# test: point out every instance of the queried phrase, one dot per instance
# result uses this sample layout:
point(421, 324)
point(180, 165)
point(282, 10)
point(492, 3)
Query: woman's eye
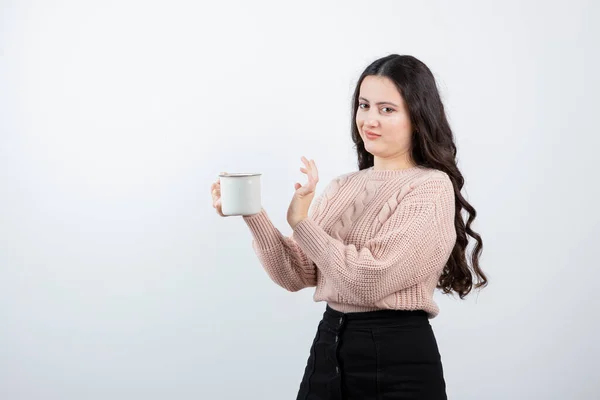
point(360, 105)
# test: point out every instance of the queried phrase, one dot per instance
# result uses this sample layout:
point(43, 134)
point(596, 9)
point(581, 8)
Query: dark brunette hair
point(433, 147)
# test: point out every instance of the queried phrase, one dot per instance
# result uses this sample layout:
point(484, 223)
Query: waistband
point(375, 318)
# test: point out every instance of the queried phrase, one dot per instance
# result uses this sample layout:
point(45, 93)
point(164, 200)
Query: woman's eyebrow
point(380, 103)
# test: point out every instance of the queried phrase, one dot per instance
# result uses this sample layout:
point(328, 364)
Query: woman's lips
point(371, 135)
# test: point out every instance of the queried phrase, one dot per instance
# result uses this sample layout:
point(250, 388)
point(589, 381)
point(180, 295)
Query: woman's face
point(381, 110)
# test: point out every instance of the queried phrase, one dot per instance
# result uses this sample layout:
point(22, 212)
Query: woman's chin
point(371, 148)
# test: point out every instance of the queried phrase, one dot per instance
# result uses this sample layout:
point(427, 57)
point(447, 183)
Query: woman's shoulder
point(413, 179)
point(436, 188)
point(427, 183)
point(342, 179)
point(434, 175)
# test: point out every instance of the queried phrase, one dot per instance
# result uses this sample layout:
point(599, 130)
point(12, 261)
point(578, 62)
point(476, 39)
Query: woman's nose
point(372, 118)
point(371, 122)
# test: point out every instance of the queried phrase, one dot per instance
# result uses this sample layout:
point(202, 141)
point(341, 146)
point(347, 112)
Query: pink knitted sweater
point(374, 239)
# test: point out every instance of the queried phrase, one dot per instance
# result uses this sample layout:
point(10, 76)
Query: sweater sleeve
point(415, 241)
point(281, 257)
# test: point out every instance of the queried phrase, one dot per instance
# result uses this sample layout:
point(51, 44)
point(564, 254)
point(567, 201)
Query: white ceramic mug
point(240, 193)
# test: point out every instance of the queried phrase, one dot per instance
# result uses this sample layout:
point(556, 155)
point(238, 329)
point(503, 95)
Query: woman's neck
point(392, 165)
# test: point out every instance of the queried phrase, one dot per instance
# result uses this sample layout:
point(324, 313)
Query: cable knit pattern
point(360, 203)
point(373, 240)
point(331, 191)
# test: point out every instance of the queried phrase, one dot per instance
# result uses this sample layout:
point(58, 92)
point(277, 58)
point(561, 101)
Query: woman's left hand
point(304, 195)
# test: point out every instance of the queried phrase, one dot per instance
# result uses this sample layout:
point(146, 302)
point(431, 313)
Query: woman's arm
point(415, 241)
point(283, 260)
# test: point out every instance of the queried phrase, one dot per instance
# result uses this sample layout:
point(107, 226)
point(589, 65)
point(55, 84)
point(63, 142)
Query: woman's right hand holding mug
point(215, 190)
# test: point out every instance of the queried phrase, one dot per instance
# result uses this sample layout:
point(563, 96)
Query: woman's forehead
point(377, 89)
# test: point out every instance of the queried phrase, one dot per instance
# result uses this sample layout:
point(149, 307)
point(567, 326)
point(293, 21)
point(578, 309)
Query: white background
point(119, 281)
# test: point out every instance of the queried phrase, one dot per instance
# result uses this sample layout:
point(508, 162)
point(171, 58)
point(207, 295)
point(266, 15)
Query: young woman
point(378, 242)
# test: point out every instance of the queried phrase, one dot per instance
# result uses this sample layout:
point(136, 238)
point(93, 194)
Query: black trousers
point(384, 354)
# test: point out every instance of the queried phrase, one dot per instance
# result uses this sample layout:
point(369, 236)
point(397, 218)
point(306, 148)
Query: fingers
point(310, 170)
point(217, 184)
point(215, 190)
point(305, 161)
point(217, 205)
point(313, 169)
point(219, 208)
point(310, 164)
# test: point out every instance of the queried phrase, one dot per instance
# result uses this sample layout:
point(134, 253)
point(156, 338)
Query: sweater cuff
point(311, 238)
point(265, 234)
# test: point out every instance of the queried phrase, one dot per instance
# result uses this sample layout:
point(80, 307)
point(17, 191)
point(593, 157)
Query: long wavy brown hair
point(433, 147)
